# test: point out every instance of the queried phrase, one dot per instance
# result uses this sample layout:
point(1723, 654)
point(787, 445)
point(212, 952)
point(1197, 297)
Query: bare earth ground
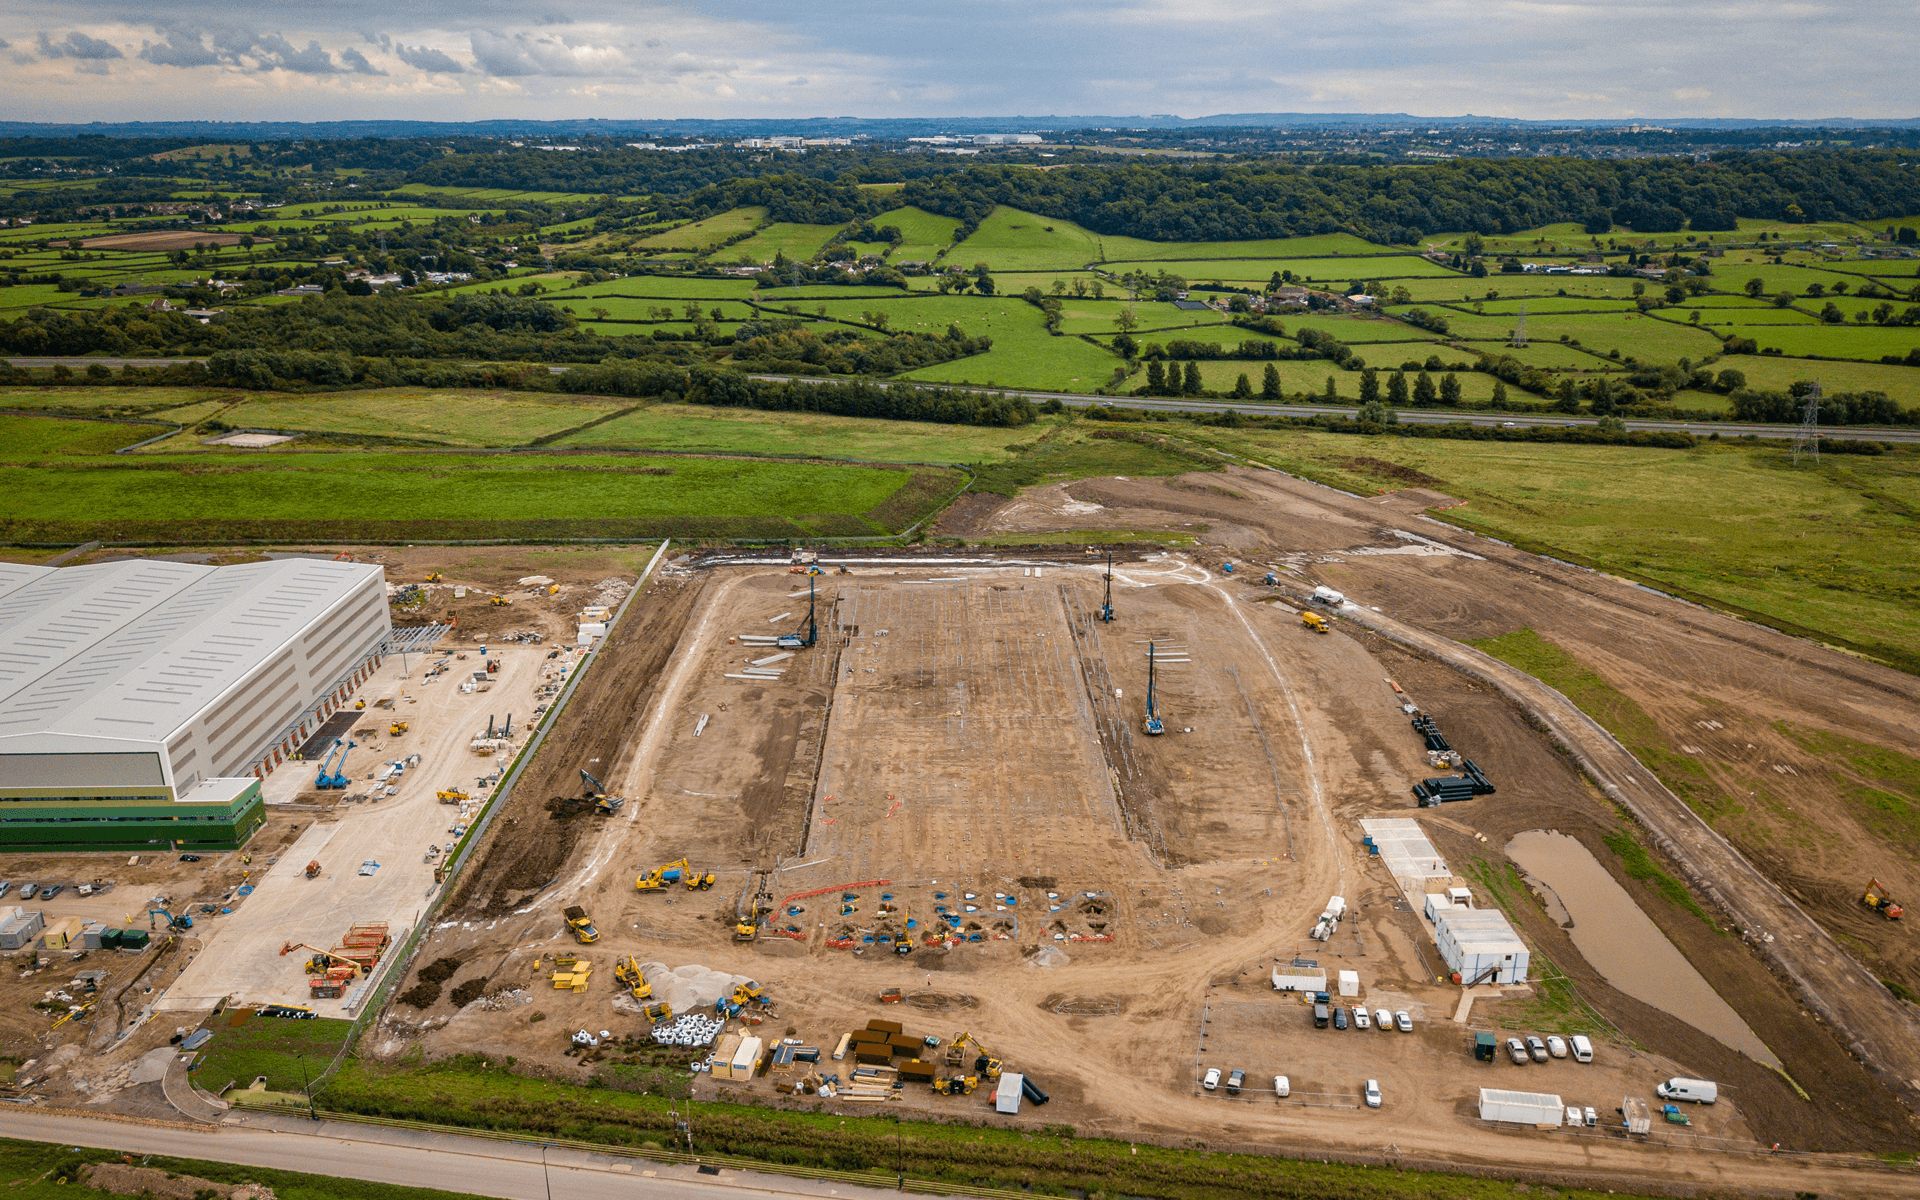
point(967, 729)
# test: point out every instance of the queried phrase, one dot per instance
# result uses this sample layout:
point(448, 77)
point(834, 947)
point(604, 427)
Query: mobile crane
point(1154, 725)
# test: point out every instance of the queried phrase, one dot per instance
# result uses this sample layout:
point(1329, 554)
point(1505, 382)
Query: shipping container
point(886, 1026)
point(1525, 1108)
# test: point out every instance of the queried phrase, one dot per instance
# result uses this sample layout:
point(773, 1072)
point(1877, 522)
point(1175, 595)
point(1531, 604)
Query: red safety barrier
point(838, 887)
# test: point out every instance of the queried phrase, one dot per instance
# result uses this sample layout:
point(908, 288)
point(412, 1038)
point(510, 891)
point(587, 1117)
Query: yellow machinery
point(553, 589)
point(1315, 622)
point(959, 1085)
point(1878, 900)
point(359, 704)
point(396, 729)
point(71, 1013)
point(435, 577)
point(957, 1055)
point(571, 972)
point(746, 993)
point(452, 795)
point(628, 973)
point(747, 928)
point(501, 602)
point(659, 1013)
point(582, 925)
point(671, 873)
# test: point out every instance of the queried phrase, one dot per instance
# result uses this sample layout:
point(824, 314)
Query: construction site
point(1051, 835)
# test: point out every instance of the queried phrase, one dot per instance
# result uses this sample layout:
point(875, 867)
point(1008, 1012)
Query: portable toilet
point(1006, 1097)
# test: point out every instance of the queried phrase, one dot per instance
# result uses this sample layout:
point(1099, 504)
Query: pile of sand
point(690, 987)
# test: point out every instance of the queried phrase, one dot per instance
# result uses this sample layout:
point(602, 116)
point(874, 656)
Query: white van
point(1281, 1087)
point(1700, 1091)
point(1582, 1048)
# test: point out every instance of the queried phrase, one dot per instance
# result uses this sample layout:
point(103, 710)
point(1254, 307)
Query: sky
point(446, 60)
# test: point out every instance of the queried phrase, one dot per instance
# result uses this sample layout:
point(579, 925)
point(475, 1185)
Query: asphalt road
point(1160, 404)
point(1407, 417)
point(482, 1167)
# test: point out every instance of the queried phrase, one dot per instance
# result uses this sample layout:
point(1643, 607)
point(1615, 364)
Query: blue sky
point(435, 60)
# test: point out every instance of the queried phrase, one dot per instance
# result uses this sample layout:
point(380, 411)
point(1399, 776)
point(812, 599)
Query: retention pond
point(1621, 942)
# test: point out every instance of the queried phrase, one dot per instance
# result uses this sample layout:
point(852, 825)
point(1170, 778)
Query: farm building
point(141, 701)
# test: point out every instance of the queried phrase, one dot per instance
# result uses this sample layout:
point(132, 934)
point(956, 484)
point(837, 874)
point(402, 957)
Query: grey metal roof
point(135, 649)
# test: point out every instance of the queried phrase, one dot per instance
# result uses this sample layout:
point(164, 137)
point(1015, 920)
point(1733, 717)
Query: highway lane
point(413, 1158)
point(1725, 429)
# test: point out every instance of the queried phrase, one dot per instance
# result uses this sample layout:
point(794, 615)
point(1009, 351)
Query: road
point(414, 1158)
point(1491, 420)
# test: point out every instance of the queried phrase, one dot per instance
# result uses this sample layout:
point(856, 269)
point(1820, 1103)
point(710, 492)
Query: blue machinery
point(794, 641)
point(1154, 726)
point(333, 773)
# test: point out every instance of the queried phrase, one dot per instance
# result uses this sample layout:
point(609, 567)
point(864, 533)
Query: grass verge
point(37, 1171)
point(246, 1046)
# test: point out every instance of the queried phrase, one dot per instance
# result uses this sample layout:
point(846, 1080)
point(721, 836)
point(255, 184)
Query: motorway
point(1725, 429)
point(414, 1158)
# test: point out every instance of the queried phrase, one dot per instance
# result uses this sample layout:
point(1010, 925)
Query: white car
point(1212, 1080)
point(1383, 1019)
point(1373, 1093)
point(1557, 1046)
point(1359, 1017)
point(1402, 1021)
point(1282, 1087)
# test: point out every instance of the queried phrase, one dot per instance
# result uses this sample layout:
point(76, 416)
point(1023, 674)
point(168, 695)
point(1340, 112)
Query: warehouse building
point(141, 702)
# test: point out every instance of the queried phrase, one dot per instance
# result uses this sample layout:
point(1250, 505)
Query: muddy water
point(1621, 943)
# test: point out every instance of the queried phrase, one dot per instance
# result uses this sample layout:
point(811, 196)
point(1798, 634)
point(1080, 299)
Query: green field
point(67, 488)
point(688, 428)
point(1258, 271)
point(673, 287)
point(926, 234)
point(1011, 240)
point(447, 417)
point(795, 241)
point(705, 235)
point(245, 1046)
point(1325, 245)
point(1865, 342)
point(1826, 547)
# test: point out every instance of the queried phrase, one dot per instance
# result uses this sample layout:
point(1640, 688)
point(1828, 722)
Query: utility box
point(1006, 1097)
point(1639, 1116)
point(745, 1059)
point(61, 934)
point(722, 1062)
point(1349, 983)
point(1484, 1046)
point(21, 928)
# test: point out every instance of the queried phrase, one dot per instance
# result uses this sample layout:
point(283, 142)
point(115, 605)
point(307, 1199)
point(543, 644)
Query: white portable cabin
point(1006, 1097)
point(1349, 983)
point(1474, 941)
point(1448, 900)
point(1299, 979)
point(1525, 1108)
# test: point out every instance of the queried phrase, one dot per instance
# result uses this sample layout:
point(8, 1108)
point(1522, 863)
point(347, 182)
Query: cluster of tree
point(896, 402)
point(1268, 199)
point(1254, 349)
point(1840, 408)
point(784, 347)
point(788, 272)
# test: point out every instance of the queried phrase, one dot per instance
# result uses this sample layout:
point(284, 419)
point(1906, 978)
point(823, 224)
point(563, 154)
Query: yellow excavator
point(628, 973)
point(982, 1062)
point(434, 577)
point(747, 928)
point(665, 876)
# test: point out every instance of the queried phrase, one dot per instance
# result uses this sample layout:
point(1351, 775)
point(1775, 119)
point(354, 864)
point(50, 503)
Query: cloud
point(181, 48)
point(522, 55)
point(78, 45)
point(426, 58)
point(357, 62)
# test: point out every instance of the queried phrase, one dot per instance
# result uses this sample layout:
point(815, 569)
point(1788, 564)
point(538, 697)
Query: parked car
point(1373, 1093)
point(1339, 1018)
point(1282, 1086)
point(48, 893)
point(1537, 1048)
point(1359, 1017)
point(1557, 1046)
point(1235, 1080)
point(1582, 1049)
point(1383, 1019)
point(189, 858)
point(29, 890)
point(1402, 1021)
point(5, 887)
point(1592, 1117)
point(1212, 1080)
point(1517, 1050)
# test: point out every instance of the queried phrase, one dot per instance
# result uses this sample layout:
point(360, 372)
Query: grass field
point(925, 234)
point(795, 241)
point(1828, 547)
point(704, 235)
point(67, 489)
point(1864, 342)
point(256, 1046)
point(676, 287)
point(1012, 240)
point(1326, 245)
point(1260, 270)
point(1902, 383)
point(676, 427)
point(452, 418)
